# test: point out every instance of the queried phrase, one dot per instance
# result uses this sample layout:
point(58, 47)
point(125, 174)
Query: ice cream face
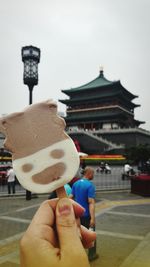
point(49, 168)
point(44, 156)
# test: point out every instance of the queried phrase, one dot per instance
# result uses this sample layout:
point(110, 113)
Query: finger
point(67, 228)
point(45, 214)
point(88, 237)
point(78, 209)
point(42, 224)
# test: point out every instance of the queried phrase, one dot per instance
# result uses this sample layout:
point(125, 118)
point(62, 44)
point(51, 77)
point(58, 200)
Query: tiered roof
point(98, 92)
point(99, 82)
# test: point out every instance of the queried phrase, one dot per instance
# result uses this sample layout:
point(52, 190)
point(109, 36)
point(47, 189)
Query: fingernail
point(64, 207)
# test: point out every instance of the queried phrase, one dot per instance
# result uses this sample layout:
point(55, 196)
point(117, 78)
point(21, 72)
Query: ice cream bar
point(44, 157)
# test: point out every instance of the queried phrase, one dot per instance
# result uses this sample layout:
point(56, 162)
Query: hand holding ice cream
point(46, 244)
point(44, 156)
point(44, 159)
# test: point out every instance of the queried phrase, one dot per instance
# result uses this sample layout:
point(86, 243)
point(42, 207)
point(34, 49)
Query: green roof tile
point(98, 82)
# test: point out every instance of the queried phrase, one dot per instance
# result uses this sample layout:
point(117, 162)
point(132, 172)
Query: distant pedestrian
point(107, 168)
point(127, 169)
point(11, 180)
point(83, 192)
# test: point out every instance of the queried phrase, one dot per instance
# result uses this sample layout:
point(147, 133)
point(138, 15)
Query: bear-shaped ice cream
point(44, 157)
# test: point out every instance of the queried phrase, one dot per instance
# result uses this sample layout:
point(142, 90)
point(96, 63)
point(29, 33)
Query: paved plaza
point(122, 226)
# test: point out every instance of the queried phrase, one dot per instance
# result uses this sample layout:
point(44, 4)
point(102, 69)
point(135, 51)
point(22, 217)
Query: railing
point(120, 130)
point(111, 181)
point(102, 181)
point(123, 130)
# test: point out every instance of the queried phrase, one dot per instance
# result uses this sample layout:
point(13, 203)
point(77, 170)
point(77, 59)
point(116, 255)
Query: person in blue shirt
point(83, 192)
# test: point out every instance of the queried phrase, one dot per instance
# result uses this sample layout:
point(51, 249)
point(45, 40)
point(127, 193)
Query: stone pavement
point(122, 226)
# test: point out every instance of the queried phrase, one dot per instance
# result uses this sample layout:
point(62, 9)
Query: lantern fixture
point(30, 58)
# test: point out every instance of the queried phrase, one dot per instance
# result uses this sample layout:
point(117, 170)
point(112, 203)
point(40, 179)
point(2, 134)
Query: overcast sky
point(76, 37)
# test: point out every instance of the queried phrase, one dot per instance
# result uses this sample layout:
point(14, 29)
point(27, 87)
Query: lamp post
point(31, 58)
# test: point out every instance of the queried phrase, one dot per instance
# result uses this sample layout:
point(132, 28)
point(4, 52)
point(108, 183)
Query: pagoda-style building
point(100, 104)
point(100, 115)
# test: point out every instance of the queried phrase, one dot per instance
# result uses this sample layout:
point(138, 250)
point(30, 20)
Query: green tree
point(140, 153)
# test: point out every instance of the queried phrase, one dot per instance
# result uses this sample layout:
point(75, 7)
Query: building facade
point(104, 109)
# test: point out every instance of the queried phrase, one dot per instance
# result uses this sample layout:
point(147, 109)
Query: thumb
point(66, 226)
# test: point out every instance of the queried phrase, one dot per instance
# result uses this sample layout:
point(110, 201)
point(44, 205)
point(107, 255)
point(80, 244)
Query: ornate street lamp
point(31, 58)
